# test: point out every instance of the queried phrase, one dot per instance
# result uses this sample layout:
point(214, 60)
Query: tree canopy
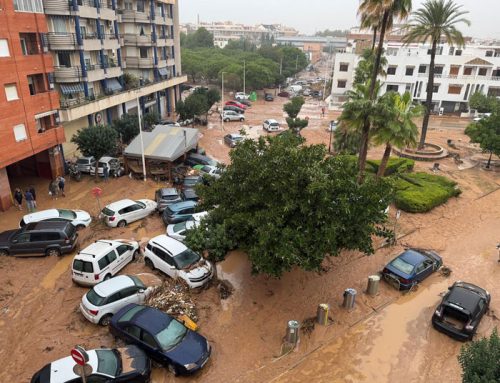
point(201, 38)
point(312, 207)
point(96, 140)
point(198, 103)
point(127, 127)
point(292, 109)
point(483, 103)
point(486, 133)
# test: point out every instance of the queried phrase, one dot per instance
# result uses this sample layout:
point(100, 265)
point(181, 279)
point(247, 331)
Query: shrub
point(421, 192)
point(394, 165)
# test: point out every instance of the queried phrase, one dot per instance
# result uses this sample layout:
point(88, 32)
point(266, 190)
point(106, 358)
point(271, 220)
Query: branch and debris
point(174, 299)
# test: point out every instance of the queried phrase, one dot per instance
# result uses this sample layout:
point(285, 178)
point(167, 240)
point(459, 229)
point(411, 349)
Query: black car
point(268, 97)
point(459, 313)
point(194, 159)
point(189, 195)
point(245, 102)
point(128, 364)
point(162, 337)
point(38, 239)
point(165, 197)
point(190, 182)
point(234, 109)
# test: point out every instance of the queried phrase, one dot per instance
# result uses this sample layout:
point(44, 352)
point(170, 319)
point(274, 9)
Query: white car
point(212, 171)
point(105, 299)
point(177, 261)
point(115, 169)
point(102, 260)
point(241, 96)
point(178, 230)
point(229, 115)
point(79, 218)
point(125, 211)
point(271, 125)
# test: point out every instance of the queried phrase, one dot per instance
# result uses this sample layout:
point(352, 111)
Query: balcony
point(115, 71)
point(137, 40)
point(95, 72)
point(56, 7)
point(133, 16)
point(47, 139)
point(136, 62)
point(62, 41)
point(68, 74)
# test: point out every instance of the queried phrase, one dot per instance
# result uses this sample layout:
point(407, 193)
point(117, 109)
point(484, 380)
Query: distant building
point(459, 73)
point(313, 46)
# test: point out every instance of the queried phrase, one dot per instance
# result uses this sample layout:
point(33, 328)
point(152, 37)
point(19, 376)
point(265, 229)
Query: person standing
point(29, 200)
point(61, 183)
point(105, 173)
point(53, 189)
point(18, 197)
point(33, 193)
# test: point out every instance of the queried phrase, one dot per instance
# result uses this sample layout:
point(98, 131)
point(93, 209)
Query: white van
point(101, 260)
point(296, 88)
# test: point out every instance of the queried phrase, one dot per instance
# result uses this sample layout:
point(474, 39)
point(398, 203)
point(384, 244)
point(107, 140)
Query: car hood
point(133, 359)
point(203, 268)
point(150, 204)
point(192, 348)
point(82, 215)
point(6, 236)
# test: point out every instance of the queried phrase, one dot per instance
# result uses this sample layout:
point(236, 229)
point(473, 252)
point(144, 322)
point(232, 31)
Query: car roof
point(173, 246)
point(199, 216)
point(193, 177)
point(182, 205)
point(151, 319)
point(62, 370)
point(120, 204)
point(113, 285)
point(40, 215)
point(412, 257)
point(96, 249)
point(189, 192)
point(465, 298)
point(235, 135)
point(199, 156)
point(46, 225)
point(272, 121)
point(168, 191)
point(106, 159)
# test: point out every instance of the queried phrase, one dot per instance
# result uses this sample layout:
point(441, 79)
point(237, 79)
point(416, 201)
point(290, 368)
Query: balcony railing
point(137, 62)
point(68, 74)
point(142, 40)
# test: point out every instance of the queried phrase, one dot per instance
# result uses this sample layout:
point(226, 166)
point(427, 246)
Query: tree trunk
point(489, 160)
point(374, 38)
point(366, 127)
point(385, 159)
point(428, 101)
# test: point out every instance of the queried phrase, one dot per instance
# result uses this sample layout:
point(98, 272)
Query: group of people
point(56, 187)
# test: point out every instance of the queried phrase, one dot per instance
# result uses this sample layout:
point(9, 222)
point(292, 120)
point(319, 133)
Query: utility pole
point(281, 71)
point(244, 77)
point(222, 102)
point(140, 134)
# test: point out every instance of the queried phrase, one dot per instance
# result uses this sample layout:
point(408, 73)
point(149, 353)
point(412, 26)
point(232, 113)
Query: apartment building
point(30, 131)
point(110, 53)
point(459, 73)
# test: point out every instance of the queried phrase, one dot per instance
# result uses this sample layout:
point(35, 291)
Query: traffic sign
point(79, 355)
point(96, 192)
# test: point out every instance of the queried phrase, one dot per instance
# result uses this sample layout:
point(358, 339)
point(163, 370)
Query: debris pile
point(174, 299)
point(225, 288)
point(445, 271)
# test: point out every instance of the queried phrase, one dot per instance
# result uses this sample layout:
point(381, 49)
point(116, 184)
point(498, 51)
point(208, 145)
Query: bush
point(394, 165)
point(421, 192)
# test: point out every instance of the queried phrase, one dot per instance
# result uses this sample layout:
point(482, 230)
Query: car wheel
point(226, 120)
point(122, 223)
point(80, 227)
point(149, 264)
point(53, 252)
point(105, 320)
point(242, 119)
point(172, 369)
point(4, 253)
point(107, 277)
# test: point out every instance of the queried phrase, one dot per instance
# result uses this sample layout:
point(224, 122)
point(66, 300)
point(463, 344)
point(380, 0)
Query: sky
point(309, 16)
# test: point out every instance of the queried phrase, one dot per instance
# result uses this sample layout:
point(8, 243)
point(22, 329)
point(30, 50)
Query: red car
point(237, 104)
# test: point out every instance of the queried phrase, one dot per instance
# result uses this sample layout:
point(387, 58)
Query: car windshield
point(108, 362)
point(403, 266)
point(141, 204)
point(102, 164)
point(179, 227)
point(107, 211)
point(186, 258)
point(95, 298)
point(66, 214)
point(172, 335)
point(190, 181)
point(83, 266)
point(138, 282)
point(82, 161)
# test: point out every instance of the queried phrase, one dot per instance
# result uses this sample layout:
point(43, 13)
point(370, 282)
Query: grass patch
point(394, 165)
point(421, 192)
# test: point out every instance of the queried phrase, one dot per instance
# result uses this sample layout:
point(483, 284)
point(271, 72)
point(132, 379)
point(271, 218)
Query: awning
point(163, 71)
point(113, 85)
point(45, 114)
point(71, 88)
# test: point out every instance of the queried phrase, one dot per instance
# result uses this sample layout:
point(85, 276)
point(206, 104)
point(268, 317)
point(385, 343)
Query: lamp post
point(330, 142)
point(244, 77)
point(140, 135)
point(222, 101)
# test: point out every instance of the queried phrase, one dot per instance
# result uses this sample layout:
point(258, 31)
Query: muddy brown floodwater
point(386, 338)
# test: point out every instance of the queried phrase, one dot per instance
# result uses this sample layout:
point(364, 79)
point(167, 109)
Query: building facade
point(30, 131)
point(459, 73)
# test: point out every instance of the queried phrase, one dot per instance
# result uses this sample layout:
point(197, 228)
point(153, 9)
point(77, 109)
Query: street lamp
point(140, 135)
point(244, 77)
point(222, 101)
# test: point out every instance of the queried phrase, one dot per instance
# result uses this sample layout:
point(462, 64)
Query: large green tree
point(96, 140)
point(288, 204)
point(127, 127)
point(486, 132)
point(480, 360)
point(292, 109)
point(436, 22)
point(201, 38)
point(483, 103)
point(388, 11)
point(398, 129)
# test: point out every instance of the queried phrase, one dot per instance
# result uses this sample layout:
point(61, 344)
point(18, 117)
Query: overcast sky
point(309, 16)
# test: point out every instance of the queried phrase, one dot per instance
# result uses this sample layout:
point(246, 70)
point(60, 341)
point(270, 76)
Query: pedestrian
point(498, 249)
point(29, 200)
point(105, 173)
point(323, 111)
point(18, 197)
point(33, 193)
point(53, 189)
point(61, 182)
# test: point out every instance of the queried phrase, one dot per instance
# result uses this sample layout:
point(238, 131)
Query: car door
point(188, 213)
point(114, 303)
point(423, 270)
point(124, 255)
point(113, 262)
point(20, 245)
point(136, 212)
point(151, 346)
point(165, 264)
point(132, 294)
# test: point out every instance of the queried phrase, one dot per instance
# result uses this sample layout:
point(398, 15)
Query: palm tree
point(399, 130)
point(435, 22)
point(371, 21)
point(388, 10)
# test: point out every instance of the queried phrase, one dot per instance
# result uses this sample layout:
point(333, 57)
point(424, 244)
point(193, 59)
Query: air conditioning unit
point(51, 86)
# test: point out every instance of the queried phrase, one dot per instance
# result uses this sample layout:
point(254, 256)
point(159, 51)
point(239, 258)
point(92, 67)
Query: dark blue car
point(411, 267)
point(162, 337)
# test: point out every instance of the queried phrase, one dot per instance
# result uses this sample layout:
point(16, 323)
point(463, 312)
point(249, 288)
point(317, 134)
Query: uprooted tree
point(287, 204)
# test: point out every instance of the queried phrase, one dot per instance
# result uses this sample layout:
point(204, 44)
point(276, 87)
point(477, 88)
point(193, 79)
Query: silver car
point(229, 115)
point(83, 164)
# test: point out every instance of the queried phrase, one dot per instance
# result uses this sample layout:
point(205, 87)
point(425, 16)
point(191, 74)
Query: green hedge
point(421, 192)
point(394, 165)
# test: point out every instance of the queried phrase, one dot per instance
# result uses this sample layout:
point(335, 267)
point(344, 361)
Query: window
point(122, 249)
point(140, 5)
point(409, 71)
point(149, 340)
point(4, 48)
point(125, 293)
point(64, 59)
point(452, 50)
point(33, 6)
point(468, 71)
point(11, 92)
point(343, 67)
point(103, 262)
point(160, 253)
point(20, 132)
point(133, 330)
point(467, 89)
point(489, 53)
point(482, 71)
point(422, 69)
point(143, 52)
point(341, 83)
point(391, 70)
point(129, 6)
point(438, 69)
point(454, 70)
point(113, 298)
point(458, 52)
point(454, 89)
point(393, 88)
point(435, 88)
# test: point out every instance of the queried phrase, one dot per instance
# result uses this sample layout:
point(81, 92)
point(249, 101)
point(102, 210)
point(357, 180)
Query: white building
point(459, 73)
